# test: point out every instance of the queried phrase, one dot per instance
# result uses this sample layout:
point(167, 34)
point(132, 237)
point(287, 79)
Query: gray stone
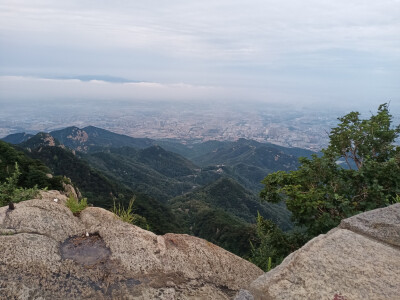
point(382, 224)
point(41, 216)
point(338, 265)
point(48, 253)
point(244, 295)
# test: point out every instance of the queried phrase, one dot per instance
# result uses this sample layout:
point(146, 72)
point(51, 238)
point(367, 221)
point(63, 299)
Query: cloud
point(223, 30)
point(264, 48)
point(34, 89)
point(17, 90)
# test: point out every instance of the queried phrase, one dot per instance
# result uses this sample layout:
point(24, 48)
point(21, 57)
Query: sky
point(310, 52)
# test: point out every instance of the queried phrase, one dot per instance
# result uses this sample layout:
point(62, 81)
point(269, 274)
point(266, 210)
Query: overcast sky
point(290, 51)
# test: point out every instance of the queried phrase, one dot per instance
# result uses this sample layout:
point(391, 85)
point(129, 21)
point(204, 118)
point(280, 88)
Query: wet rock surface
point(45, 253)
point(85, 250)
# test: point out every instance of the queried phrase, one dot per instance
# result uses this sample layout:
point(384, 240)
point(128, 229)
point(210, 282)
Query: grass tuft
point(75, 205)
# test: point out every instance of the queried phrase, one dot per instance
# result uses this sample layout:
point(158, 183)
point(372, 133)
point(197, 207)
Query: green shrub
point(273, 245)
point(11, 192)
point(75, 205)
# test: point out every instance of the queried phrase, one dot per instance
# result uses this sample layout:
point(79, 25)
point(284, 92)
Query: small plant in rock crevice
point(127, 215)
point(75, 205)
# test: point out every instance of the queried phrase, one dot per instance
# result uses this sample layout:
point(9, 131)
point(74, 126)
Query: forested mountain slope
point(98, 188)
point(213, 195)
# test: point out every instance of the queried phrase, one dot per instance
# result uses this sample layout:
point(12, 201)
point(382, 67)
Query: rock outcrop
point(48, 253)
point(358, 260)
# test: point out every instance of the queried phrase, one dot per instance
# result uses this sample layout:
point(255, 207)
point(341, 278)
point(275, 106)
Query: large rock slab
point(48, 253)
point(382, 224)
point(360, 263)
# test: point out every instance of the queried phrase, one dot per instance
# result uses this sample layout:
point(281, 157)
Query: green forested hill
point(154, 171)
point(250, 161)
point(33, 172)
point(250, 153)
point(101, 190)
point(207, 189)
point(17, 138)
point(137, 175)
point(165, 162)
point(92, 137)
point(228, 195)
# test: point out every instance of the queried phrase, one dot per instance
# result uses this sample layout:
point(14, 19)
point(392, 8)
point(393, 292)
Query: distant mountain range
point(17, 138)
point(207, 189)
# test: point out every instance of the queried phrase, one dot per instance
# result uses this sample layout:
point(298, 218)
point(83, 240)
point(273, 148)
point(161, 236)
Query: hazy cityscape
point(183, 122)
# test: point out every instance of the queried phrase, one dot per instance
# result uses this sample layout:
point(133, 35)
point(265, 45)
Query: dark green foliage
point(75, 205)
point(228, 195)
point(93, 185)
point(222, 213)
point(244, 160)
point(250, 153)
point(272, 245)
point(101, 190)
point(33, 172)
point(154, 171)
point(249, 160)
point(165, 162)
point(159, 217)
point(321, 192)
point(11, 192)
point(194, 150)
point(224, 230)
point(215, 225)
point(137, 176)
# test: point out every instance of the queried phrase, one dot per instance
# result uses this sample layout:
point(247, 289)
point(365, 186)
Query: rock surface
point(358, 260)
point(382, 224)
point(48, 253)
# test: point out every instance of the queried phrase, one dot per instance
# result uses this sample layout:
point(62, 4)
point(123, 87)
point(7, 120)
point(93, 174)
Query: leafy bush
point(11, 192)
point(75, 205)
point(322, 192)
point(273, 245)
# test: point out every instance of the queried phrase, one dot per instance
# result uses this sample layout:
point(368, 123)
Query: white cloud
point(25, 88)
point(209, 29)
point(271, 45)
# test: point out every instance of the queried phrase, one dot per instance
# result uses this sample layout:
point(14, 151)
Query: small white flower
point(55, 200)
point(87, 233)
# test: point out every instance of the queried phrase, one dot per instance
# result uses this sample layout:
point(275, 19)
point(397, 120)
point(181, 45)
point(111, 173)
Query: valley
point(208, 189)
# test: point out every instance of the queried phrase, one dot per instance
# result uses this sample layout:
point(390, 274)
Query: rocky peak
point(41, 139)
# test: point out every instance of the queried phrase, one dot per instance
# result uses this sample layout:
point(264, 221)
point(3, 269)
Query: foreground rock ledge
point(45, 253)
point(358, 260)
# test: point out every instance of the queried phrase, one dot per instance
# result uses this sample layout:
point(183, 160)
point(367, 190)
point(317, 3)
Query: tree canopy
point(359, 171)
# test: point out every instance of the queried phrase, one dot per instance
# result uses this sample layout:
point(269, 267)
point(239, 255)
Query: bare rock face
point(48, 253)
point(358, 260)
point(382, 224)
